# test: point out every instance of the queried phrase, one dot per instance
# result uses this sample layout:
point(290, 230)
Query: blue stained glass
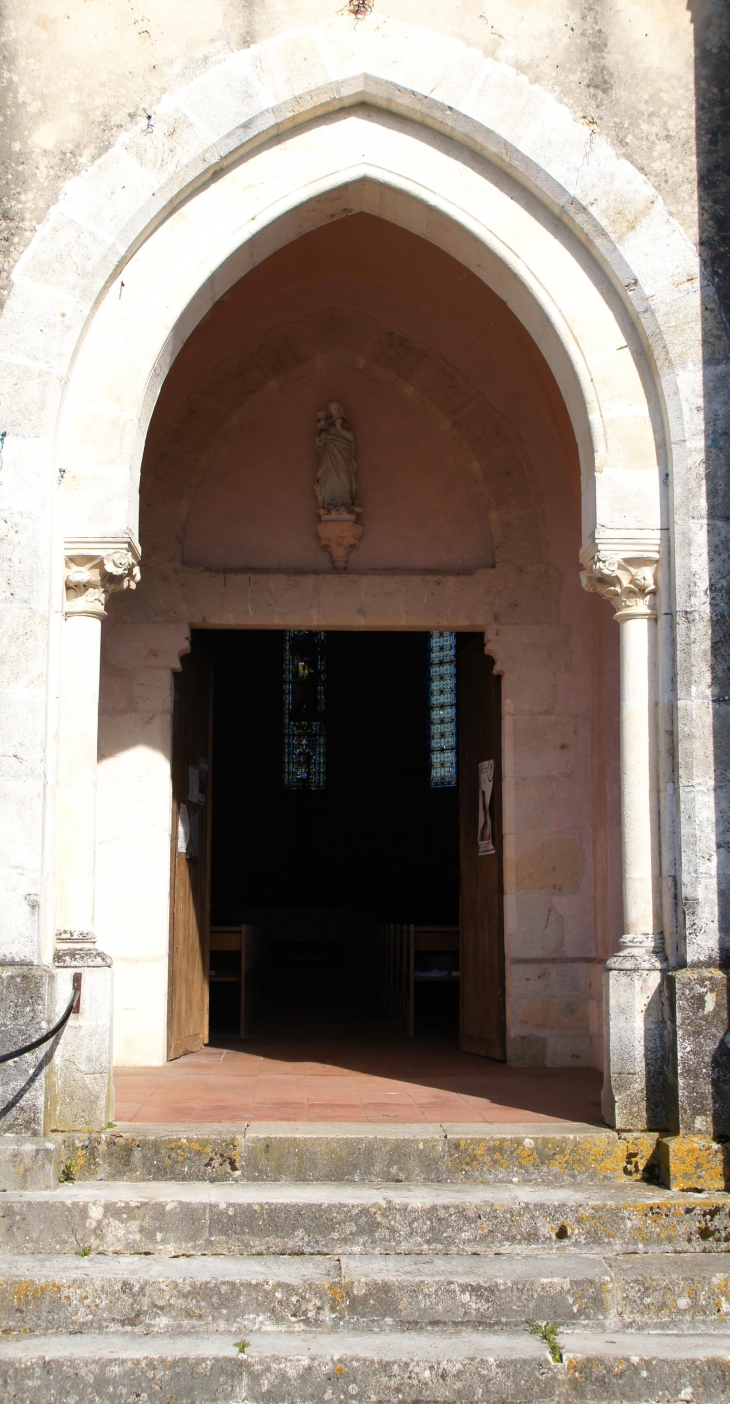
point(304, 702)
point(442, 697)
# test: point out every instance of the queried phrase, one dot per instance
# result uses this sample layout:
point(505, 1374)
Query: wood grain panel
point(393, 974)
point(190, 897)
point(481, 961)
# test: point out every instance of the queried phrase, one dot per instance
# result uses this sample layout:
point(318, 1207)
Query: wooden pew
point(249, 942)
point(394, 949)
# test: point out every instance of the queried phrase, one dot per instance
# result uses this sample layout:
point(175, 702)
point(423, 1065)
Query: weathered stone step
point(430, 1367)
point(333, 1152)
point(336, 1219)
point(244, 1294)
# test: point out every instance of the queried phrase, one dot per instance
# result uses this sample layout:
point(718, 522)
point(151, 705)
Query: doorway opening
point(337, 827)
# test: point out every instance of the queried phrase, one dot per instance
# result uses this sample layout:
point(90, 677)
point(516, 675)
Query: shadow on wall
point(712, 127)
point(24, 1076)
point(25, 999)
point(711, 27)
point(656, 1054)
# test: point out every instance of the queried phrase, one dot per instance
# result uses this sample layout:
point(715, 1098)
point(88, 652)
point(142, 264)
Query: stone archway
point(287, 136)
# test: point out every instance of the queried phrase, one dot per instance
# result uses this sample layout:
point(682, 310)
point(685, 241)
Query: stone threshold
point(336, 1152)
point(341, 1152)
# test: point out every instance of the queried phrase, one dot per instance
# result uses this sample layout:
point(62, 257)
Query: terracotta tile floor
point(363, 1072)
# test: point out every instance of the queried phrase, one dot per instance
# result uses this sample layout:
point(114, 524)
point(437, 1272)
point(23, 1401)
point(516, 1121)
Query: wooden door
point(481, 960)
point(187, 1022)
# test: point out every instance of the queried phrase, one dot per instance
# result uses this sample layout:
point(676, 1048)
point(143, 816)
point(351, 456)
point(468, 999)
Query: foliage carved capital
point(629, 585)
point(96, 569)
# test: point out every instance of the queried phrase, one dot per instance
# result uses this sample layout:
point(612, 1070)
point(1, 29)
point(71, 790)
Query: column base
point(694, 1163)
point(80, 1085)
point(636, 1045)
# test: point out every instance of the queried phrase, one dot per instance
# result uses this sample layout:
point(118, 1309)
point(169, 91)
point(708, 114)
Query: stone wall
point(579, 243)
point(81, 72)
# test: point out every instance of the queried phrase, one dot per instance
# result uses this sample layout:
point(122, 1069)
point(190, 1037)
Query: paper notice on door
point(486, 782)
point(193, 785)
point(183, 829)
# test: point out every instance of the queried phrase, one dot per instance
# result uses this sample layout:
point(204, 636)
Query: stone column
point(636, 1072)
point(80, 1094)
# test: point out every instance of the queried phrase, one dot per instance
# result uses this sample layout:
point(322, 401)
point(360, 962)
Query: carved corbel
point(629, 585)
point(339, 534)
point(96, 569)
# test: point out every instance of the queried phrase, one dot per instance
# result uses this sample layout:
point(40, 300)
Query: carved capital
point(629, 585)
point(96, 569)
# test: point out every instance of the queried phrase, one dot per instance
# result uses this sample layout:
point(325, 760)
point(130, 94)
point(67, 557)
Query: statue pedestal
point(339, 534)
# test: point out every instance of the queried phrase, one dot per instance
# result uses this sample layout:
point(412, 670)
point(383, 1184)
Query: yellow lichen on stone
point(641, 1154)
point(600, 1155)
point(694, 1163)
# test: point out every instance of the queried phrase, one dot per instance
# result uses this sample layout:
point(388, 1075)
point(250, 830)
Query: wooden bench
point(248, 941)
point(394, 949)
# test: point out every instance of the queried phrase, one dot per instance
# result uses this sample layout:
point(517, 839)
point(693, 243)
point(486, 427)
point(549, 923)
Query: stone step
point(335, 1219)
point(537, 1153)
point(437, 1366)
point(333, 1293)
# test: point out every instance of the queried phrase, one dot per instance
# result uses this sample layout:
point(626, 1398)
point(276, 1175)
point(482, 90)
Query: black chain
point(73, 1003)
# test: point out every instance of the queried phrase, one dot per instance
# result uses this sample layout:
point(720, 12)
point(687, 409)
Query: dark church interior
point(313, 851)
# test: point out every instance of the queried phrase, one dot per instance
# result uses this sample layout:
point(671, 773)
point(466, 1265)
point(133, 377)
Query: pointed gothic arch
point(429, 134)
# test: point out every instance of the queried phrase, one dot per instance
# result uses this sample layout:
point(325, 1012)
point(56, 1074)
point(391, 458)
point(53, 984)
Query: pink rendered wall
point(255, 507)
point(446, 298)
point(414, 346)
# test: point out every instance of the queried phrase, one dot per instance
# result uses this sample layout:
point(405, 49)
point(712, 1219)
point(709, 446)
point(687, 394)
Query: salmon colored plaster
point(430, 366)
point(376, 254)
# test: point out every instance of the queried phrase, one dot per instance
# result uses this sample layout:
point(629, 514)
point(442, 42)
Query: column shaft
point(79, 721)
point(80, 1092)
point(640, 780)
point(634, 1007)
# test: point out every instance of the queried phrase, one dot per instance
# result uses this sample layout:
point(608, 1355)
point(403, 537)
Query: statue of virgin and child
point(336, 481)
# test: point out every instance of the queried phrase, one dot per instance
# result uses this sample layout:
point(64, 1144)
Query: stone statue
point(335, 485)
point(337, 473)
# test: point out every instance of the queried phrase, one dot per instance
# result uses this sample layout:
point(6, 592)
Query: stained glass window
point(442, 679)
point(304, 700)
